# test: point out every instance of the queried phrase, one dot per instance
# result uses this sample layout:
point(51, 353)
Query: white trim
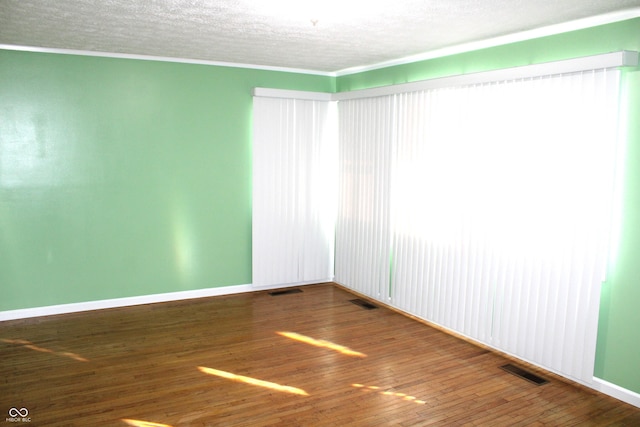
point(121, 302)
point(622, 58)
point(551, 30)
point(51, 310)
point(596, 384)
point(161, 59)
point(291, 94)
point(616, 391)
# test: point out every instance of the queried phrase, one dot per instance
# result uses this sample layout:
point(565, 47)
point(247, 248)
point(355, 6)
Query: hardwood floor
point(302, 359)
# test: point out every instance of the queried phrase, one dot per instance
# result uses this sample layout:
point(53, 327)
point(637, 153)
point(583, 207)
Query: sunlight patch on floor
point(138, 423)
point(322, 343)
point(32, 346)
point(376, 389)
point(253, 381)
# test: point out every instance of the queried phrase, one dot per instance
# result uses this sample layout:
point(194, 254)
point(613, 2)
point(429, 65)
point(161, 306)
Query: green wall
point(618, 348)
point(124, 177)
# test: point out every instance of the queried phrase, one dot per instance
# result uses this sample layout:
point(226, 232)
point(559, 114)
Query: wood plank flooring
point(262, 360)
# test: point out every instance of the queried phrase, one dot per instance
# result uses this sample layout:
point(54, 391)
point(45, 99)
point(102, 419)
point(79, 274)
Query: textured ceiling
point(280, 33)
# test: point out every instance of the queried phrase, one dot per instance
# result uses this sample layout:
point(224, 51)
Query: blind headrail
point(623, 58)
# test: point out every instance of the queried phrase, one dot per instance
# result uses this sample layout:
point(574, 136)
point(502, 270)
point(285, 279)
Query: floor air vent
point(364, 304)
point(285, 292)
point(529, 376)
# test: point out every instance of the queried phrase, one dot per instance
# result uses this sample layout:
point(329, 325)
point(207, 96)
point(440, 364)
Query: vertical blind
point(485, 209)
point(293, 191)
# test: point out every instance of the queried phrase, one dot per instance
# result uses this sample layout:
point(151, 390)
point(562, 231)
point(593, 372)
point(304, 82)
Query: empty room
point(287, 213)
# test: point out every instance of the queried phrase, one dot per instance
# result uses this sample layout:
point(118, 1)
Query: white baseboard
point(138, 300)
point(597, 384)
point(616, 391)
point(120, 302)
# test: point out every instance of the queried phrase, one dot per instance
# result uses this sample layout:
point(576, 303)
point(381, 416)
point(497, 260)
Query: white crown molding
point(161, 59)
point(566, 27)
point(551, 30)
